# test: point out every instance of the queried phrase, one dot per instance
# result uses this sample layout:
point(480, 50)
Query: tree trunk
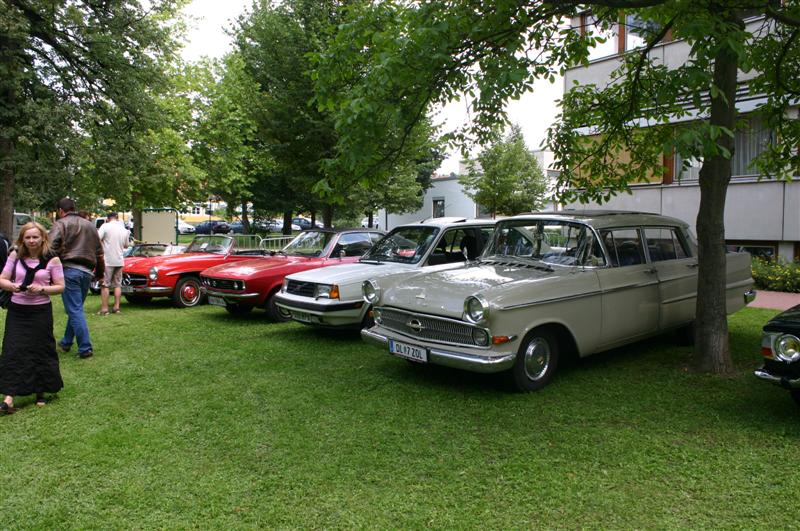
point(712, 352)
point(287, 222)
point(8, 96)
point(245, 219)
point(327, 216)
point(370, 223)
point(7, 193)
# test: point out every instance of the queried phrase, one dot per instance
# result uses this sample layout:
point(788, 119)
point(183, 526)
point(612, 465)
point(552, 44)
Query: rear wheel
point(187, 293)
point(137, 299)
point(536, 361)
point(274, 312)
point(238, 309)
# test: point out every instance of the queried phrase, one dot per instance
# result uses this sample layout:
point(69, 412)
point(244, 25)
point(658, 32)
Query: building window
point(438, 208)
point(767, 250)
point(196, 210)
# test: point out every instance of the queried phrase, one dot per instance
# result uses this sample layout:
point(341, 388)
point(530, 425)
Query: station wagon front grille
point(304, 289)
point(427, 327)
point(129, 279)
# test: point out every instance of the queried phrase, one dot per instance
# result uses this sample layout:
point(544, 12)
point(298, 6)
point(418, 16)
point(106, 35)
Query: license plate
point(301, 316)
point(126, 289)
point(407, 351)
point(216, 301)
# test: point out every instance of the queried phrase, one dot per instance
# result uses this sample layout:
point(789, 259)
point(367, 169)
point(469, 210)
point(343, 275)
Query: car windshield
point(555, 242)
point(309, 243)
point(145, 250)
point(405, 245)
point(210, 244)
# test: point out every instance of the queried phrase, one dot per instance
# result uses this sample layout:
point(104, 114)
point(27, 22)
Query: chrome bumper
point(153, 290)
point(749, 296)
point(448, 358)
point(226, 295)
point(782, 381)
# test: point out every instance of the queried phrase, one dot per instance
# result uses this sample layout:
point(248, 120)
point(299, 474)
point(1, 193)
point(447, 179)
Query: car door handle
point(693, 265)
point(651, 271)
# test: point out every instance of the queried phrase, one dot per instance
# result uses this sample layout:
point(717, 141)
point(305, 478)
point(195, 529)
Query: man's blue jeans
point(76, 286)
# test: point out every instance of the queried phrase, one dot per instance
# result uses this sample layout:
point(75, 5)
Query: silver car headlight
point(476, 309)
point(285, 285)
point(153, 274)
point(787, 348)
point(480, 337)
point(371, 291)
point(326, 291)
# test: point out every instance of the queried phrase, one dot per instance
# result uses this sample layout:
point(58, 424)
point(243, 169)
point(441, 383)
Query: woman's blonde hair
point(22, 251)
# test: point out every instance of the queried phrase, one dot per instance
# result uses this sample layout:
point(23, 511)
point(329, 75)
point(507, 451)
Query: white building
point(762, 216)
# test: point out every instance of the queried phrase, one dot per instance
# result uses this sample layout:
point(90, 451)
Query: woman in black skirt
point(29, 363)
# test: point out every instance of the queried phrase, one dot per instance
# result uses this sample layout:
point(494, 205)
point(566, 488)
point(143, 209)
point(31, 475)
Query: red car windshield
point(210, 244)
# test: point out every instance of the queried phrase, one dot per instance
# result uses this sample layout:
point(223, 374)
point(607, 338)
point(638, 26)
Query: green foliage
point(508, 179)
point(776, 275)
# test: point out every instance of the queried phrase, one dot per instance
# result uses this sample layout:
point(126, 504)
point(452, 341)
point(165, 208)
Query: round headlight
point(376, 315)
point(480, 337)
point(787, 347)
point(371, 291)
point(476, 309)
point(153, 274)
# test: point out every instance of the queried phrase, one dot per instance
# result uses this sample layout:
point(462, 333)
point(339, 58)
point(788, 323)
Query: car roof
point(606, 218)
point(336, 230)
point(449, 222)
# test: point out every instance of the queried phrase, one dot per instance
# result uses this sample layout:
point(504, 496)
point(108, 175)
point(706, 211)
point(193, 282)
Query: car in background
point(212, 226)
point(178, 276)
point(550, 284)
point(429, 246)
point(139, 251)
point(237, 227)
point(239, 287)
point(185, 228)
point(276, 225)
point(780, 347)
point(305, 223)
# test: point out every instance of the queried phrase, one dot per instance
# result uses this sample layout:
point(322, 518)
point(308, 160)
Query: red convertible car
point(239, 287)
point(178, 275)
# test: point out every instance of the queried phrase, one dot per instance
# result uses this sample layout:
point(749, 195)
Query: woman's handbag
point(5, 296)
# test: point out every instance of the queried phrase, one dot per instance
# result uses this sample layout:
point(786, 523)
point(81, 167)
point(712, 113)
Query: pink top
point(53, 271)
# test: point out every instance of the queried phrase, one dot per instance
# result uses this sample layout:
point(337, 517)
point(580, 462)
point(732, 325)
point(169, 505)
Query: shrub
point(776, 275)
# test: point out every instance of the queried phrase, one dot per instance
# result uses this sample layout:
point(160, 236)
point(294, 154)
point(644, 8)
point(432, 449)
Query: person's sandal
point(41, 401)
point(102, 312)
point(6, 409)
point(115, 311)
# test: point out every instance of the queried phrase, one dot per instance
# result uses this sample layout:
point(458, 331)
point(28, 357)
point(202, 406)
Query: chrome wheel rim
point(537, 358)
point(190, 293)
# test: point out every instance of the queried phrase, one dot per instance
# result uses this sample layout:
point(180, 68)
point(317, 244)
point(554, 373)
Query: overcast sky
point(207, 37)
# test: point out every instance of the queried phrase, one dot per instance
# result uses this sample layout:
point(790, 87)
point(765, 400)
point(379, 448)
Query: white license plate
point(301, 316)
point(216, 301)
point(404, 350)
point(126, 289)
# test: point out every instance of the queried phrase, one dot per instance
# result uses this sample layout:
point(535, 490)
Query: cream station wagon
point(548, 284)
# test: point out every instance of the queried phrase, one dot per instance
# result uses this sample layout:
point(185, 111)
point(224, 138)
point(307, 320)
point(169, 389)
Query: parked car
point(780, 347)
point(212, 227)
point(276, 225)
point(550, 283)
point(242, 286)
point(237, 227)
point(406, 250)
point(305, 223)
point(139, 251)
point(178, 276)
point(185, 228)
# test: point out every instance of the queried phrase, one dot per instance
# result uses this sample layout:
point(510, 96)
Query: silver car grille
point(304, 289)
point(427, 327)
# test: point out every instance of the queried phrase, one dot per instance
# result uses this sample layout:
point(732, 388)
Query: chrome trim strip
point(634, 286)
point(154, 289)
point(555, 299)
point(782, 381)
point(226, 295)
point(457, 360)
point(679, 299)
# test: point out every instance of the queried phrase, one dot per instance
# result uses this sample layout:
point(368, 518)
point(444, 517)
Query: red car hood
point(184, 260)
point(260, 267)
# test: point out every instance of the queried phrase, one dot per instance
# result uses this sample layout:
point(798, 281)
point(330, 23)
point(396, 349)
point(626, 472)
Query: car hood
point(788, 321)
point(259, 267)
point(350, 273)
point(443, 293)
point(185, 260)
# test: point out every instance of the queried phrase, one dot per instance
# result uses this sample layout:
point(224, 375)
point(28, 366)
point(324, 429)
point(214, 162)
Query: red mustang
point(178, 275)
point(239, 287)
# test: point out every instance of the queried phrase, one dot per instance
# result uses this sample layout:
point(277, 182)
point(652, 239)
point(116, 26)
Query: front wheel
point(536, 361)
point(187, 293)
point(274, 312)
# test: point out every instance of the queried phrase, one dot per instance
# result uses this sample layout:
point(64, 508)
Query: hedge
point(776, 275)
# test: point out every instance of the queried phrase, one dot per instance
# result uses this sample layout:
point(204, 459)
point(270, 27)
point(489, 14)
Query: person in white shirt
point(114, 237)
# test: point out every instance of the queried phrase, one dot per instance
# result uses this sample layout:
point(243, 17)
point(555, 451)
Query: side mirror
point(342, 254)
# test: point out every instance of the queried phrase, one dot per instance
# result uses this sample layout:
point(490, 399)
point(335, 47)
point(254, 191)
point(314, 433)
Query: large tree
point(415, 56)
point(64, 67)
point(507, 178)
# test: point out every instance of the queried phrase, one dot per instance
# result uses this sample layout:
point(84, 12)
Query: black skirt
point(29, 363)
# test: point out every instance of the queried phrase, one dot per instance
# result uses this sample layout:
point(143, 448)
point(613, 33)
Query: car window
point(353, 244)
point(664, 244)
point(310, 243)
point(406, 245)
point(555, 242)
point(210, 244)
point(624, 247)
point(449, 248)
point(375, 237)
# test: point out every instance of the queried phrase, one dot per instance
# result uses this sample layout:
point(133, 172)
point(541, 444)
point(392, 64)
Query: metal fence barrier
point(275, 243)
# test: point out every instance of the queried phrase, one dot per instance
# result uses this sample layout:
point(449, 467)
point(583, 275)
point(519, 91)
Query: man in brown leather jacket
point(76, 242)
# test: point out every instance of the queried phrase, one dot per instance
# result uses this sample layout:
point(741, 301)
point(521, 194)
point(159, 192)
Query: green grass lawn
point(196, 419)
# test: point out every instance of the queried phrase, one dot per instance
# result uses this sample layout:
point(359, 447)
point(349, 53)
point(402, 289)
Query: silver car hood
point(443, 293)
point(349, 273)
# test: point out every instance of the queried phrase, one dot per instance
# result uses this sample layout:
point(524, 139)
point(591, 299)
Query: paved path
point(776, 300)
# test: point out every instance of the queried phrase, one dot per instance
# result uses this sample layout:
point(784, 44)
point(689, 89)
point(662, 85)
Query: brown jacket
point(74, 239)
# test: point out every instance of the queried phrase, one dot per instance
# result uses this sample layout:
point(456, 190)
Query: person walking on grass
point(29, 362)
point(114, 237)
point(76, 242)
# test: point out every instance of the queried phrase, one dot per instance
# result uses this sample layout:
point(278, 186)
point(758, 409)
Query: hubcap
point(537, 358)
point(189, 293)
